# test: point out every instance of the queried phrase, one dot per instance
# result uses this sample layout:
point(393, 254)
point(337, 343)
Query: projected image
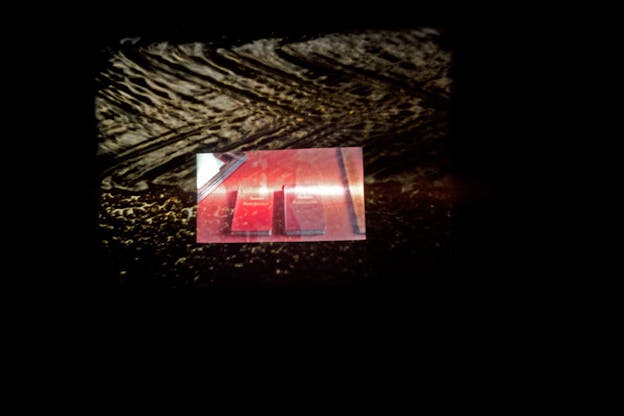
point(281, 195)
point(284, 158)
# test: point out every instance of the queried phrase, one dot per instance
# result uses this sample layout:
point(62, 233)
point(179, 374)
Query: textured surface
point(159, 104)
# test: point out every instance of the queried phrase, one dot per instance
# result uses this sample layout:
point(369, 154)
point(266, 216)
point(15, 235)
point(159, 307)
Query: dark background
point(480, 134)
point(473, 315)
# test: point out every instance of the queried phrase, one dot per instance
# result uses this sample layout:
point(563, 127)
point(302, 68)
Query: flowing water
point(158, 104)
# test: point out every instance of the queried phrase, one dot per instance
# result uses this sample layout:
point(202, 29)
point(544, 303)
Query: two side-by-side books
point(302, 213)
point(281, 195)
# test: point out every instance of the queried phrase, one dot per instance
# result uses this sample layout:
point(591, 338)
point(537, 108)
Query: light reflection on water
point(158, 105)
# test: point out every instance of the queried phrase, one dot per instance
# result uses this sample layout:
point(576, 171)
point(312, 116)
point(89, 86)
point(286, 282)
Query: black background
point(482, 137)
point(474, 320)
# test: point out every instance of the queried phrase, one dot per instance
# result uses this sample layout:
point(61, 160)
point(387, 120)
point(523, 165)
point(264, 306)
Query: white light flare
point(322, 190)
point(207, 167)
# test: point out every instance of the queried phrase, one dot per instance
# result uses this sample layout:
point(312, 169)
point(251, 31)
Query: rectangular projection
point(281, 195)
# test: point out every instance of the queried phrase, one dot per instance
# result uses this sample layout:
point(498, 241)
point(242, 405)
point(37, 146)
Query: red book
point(303, 213)
point(253, 213)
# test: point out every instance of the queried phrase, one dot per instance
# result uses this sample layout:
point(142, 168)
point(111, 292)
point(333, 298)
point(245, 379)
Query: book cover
point(303, 213)
point(253, 213)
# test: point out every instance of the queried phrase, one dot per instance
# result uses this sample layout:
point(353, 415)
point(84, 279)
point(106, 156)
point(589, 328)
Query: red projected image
point(281, 195)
